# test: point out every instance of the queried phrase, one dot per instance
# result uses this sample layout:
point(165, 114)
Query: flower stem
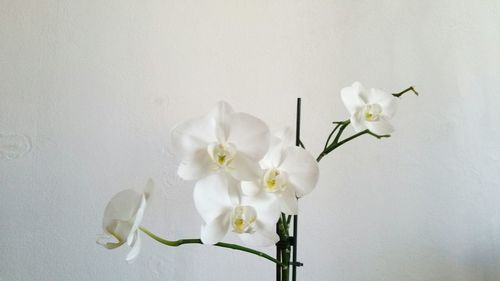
point(337, 143)
point(284, 247)
point(409, 89)
point(176, 243)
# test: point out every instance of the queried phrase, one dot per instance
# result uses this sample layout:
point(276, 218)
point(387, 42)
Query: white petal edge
point(302, 170)
point(137, 221)
point(198, 166)
point(190, 136)
point(136, 248)
point(289, 203)
point(215, 231)
point(388, 102)
point(103, 241)
point(244, 168)
point(352, 97)
point(249, 134)
point(211, 196)
point(250, 188)
point(266, 205)
point(265, 236)
point(358, 123)
point(285, 137)
point(122, 207)
point(222, 115)
point(381, 127)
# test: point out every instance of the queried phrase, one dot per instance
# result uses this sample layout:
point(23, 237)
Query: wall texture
point(96, 86)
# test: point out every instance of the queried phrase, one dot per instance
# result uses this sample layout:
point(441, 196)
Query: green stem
point(285, 224)
point(409, 89)
point(331, 134)
point(302, 144)
point(341, 130)
point(180, 242)
point(285, 257)
point(284, 245)
point(355, 136)
point(336, 143)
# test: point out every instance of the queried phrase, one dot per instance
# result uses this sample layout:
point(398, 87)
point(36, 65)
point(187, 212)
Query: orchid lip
point(372, 112)
point(275, 180)
point(243, 219)
point(221, 154)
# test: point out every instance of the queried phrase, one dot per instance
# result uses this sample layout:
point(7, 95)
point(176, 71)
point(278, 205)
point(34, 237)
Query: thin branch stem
point(355, 136)
point(285, 224)
point(337, 143)
point(409, 89)
point(180, 242)
point(337, 125)
point(301, 144)
point(341, 130)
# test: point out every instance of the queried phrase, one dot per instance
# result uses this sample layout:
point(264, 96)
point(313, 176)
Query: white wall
point(98, 84)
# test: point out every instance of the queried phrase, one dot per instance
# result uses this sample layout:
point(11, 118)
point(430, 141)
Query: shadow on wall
point(13, 146)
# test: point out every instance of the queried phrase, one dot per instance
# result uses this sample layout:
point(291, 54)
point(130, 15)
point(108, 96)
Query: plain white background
point(97, 85)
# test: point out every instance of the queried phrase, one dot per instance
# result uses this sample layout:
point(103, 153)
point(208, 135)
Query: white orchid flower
point(253, 219)
point(370, 110)
point(122, 218)
point(288, 172)
point(222, 141)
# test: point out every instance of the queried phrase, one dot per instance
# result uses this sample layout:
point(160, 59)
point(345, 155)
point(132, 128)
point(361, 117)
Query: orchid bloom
point(370, 110)
point(253, 219)
point(122, 218)
point(288, 172)
point(222, 141)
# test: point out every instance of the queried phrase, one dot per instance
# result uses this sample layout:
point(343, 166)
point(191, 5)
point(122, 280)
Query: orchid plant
point(248, 181)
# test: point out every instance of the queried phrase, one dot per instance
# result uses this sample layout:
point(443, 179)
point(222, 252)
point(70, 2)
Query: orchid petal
point(264, 236)
point(387, 101)
point(222, 114)
point(103, 241)
point(137, 221)
point(122, 207)
point(250, 188)
point(234, 190)
point(381, 127)
point(249, 134)
point(352, 97)
point(280, 141)
point(274, 157)
point(191, 136)
point(358, 123)
point(243, 168)
point(214, 231)
point(196, 167)
point(211, 196)
point(268, 209)
point(284, 137)
point(136, 248)
point(288, 202)
point(302, 170)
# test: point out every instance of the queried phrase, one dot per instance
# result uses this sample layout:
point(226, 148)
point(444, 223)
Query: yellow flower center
point(221, 153)
point(372, 112)
point(243, 219)
point(275, 180)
